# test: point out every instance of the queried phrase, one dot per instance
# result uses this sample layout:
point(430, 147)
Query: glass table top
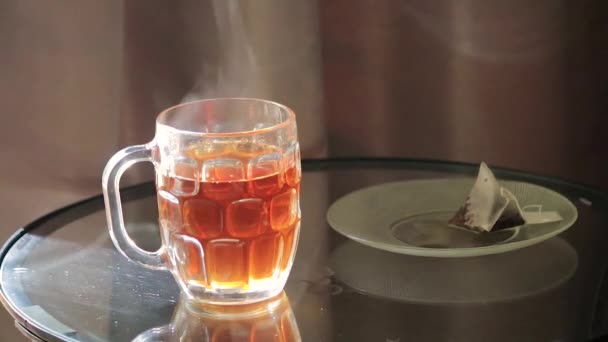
point(63, 280)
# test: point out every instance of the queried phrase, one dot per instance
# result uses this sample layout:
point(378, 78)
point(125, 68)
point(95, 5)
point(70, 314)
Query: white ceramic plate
point(410, 217)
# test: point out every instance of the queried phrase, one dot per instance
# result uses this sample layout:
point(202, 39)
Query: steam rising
point(237, 73)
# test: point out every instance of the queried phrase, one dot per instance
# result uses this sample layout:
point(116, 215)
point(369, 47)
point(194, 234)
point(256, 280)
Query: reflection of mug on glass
point(270, 320)
point(228, 182)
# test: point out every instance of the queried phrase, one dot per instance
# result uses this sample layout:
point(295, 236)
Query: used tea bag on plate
point(490, 207)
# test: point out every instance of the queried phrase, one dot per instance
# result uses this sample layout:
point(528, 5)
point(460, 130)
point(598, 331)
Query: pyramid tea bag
point(489, 207)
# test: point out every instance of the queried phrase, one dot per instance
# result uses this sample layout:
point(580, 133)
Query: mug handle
point(116, 166)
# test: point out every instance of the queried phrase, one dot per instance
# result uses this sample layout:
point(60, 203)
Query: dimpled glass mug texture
point(228, 182)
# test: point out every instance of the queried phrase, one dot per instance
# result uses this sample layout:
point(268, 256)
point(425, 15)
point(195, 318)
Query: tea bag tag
point(539, 216)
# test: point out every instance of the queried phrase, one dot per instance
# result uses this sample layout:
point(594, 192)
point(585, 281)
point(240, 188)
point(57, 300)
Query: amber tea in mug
point(228, 182)
point(244, 225)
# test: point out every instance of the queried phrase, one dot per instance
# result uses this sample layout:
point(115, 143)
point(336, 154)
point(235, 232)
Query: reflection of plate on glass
point(411, 217)
point(494, 278)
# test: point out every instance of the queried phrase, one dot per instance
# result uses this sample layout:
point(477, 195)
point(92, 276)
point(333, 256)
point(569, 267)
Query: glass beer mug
point(228, 182)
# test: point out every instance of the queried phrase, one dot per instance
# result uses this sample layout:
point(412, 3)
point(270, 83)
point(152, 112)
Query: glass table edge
point(442, 165)
point(21, 318)
point(308, 165)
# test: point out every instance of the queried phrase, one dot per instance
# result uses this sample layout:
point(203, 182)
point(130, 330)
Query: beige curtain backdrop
point(518, 83)
point(60, 85)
